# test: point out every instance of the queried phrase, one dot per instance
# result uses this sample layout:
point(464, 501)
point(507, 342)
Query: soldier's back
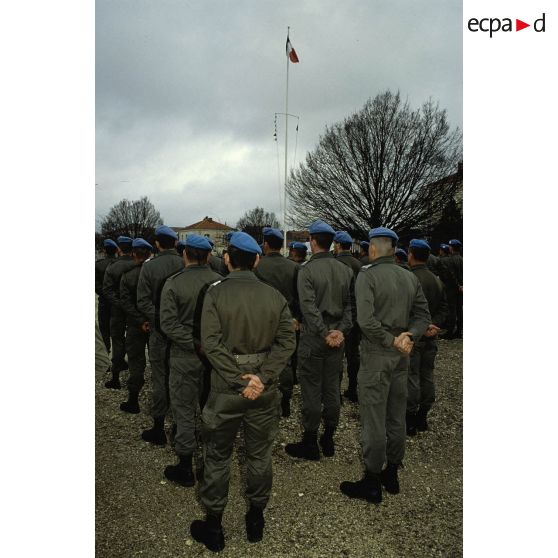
point(280, 273)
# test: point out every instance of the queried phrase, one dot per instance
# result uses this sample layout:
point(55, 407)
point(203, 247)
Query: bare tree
point(257, 217)
point(381, 166)
point(131, 218)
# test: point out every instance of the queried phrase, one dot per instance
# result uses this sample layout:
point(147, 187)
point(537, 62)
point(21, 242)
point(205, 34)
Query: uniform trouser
point(117, 335)
point(421, 392)
point(459, 312)
point(136, 342)
point(451, 296)
point(185, 384)
point(318, 376)
point(102, 360)
point(294, 358)
point(382, 397)
point(221, 418)
point(286, 380)
point(352, 353)
point(159, 349)
point(103, 315)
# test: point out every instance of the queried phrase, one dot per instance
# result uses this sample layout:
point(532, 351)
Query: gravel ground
point(139, 513)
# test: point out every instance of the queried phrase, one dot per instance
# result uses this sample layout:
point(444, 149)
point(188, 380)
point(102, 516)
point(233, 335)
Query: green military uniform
point(136, 338)
point(153, 275)
point(103, 306)
point(180, 305)
point(389, 301)
point(111, 291)
point(352, 340)
point(421, 393)
point(403, 265)
point(246, 327)
point(324, 286)
point(281, 273)
point(217, 264)
point(433, 263)
point(451, 274)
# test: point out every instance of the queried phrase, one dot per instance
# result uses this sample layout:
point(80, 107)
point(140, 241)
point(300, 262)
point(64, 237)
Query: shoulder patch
point(304, 263)
point(215, 283)
point(367, 266)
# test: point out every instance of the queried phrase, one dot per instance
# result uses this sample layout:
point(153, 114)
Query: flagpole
point(286, 143)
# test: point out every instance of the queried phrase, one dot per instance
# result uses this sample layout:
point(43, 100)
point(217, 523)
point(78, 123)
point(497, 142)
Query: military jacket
point(324, 291)
point(129, 294)
point(181, 304)
point(433, 263)
point(404, 265)
point(389, 301)
point(433, 290)
point(281, 273)
point(365, 260)
point(100, 268)
point(243, 316)
point(450, 270)
point(111, 282)
point(348, 259)
point(216, 264)
point(153, 275)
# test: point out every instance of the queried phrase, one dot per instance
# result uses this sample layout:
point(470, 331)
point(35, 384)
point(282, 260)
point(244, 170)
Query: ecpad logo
point(494, 24)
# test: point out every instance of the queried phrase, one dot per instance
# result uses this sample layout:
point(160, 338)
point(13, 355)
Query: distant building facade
point(206, 227)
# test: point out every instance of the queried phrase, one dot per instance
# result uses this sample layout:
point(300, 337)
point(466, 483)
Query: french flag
point(291, 52)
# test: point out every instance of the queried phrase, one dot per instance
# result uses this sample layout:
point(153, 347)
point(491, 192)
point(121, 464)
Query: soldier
point(363, 257)
point(111, 291)
point(401, 259)
point(392, 311)
point(455, 292)
point(152, 277)
point(247, 335)
point(421, 392)
point(137, 332)
point(214, 261)
point(342, 248)
point(298, 252)
point(280, 273)
point(180, 245)
point(433, 263)
point(324, 291)
point(181, 302)
point(103, 305)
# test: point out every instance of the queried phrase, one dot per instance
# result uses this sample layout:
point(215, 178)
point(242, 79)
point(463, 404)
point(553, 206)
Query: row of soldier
point(230, 335)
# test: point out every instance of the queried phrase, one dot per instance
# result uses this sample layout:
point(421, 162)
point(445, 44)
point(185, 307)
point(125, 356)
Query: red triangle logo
point(519, 25)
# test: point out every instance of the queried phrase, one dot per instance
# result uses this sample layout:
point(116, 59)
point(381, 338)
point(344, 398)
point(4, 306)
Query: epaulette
point(175, 274)
point(215, 283)
point(304, 263)
point(367, 266)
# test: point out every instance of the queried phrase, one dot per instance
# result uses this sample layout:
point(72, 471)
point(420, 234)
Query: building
point(206, 227)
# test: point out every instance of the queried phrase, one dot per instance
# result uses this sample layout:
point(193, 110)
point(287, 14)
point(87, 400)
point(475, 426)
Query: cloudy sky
point(186, 90)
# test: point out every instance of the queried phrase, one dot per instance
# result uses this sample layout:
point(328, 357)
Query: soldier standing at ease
point(153, 275)
point(363, 257)
point(247, 335)
point(103, 305)
point(137, 331)
point(280, 273)
point(181, 304)
point(401, 259)
point(324, 291)
point(111, 291)
point(298, 252)
point(421, 392)
point(392, 312)
point(342, 248)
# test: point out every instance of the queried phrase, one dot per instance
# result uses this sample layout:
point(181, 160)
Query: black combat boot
point(132, 405)
point(411, 422)
point(114, 382)
point(369, 488)
point(285, 406)
point(156, 435)
point(326, 441)
point(305, 449)
point(181, 473)
point(254, 524)
point(422, 425)
point(209, 532)
point(388, 477)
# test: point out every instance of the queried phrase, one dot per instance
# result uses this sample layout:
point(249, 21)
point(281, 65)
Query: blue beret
point(417, 243)
point(141, 243)
point(291, 244)
point(163, 230)
point(454, 242)
point(108, 242)
point(124, 240)
point(270, 231)
point(444, 246)
point(364, 244)
point(300, 246)
point(245, 242)
point(382, 231)
point(400, 252)
point(228, 235)
point(181, 244)
point(342, 237)
point(198, 241)
point(320, 227)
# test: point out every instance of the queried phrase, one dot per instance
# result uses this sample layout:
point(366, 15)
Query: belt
point(253, 359)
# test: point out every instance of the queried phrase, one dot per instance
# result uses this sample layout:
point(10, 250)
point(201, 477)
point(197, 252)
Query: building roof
point(207, 223)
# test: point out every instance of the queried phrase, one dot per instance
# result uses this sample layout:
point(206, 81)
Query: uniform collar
point(167, 252)
point(383, 260)
point(196, 266)
point(418, 266)
point(271, 254)
point(242, 275)
point(344, 253)
point(321, 255)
